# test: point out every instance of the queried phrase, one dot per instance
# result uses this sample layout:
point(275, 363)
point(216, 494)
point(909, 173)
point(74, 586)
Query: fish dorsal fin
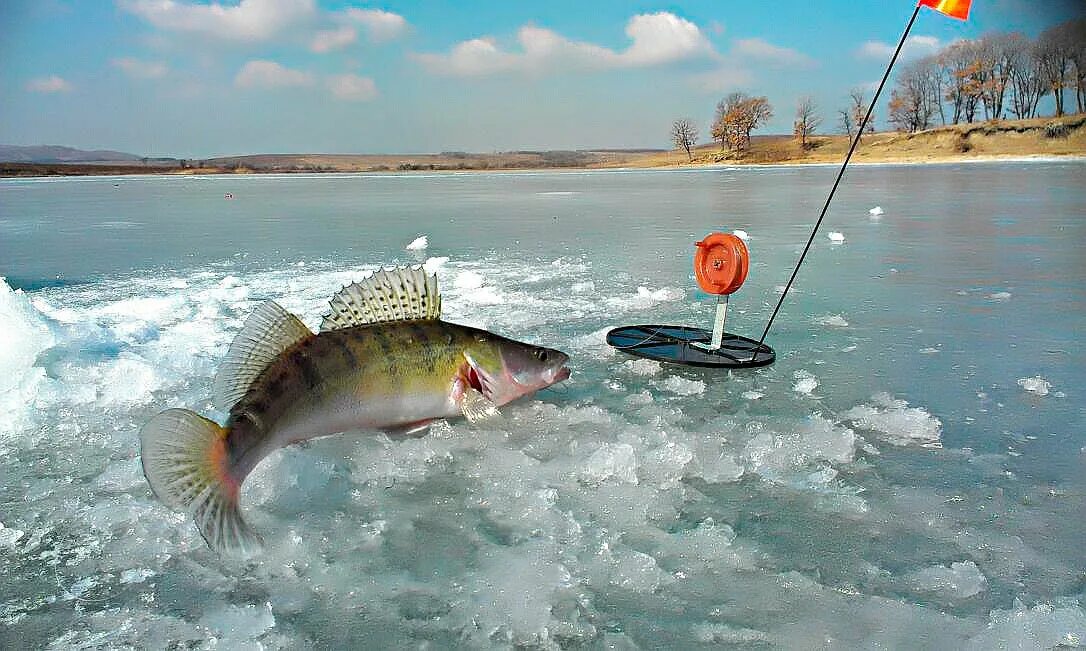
point(268, 331)
point(400, 294)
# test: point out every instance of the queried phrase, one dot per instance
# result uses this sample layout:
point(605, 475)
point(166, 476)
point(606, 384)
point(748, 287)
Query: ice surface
point(642, 367)
point(959, 580)
point(680, 507)
point(835, 236)
point(1036, 384)
point(420, 243)
point(1044, 626)
point(893, 421)
point(682, 386)
point(611, 461)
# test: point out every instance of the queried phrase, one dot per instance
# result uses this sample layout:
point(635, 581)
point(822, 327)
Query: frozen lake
point(910, 473)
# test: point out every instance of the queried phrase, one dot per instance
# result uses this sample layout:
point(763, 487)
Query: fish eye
point(541, 354)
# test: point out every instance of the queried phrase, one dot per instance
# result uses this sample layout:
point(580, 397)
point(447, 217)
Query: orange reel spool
point(721, 262)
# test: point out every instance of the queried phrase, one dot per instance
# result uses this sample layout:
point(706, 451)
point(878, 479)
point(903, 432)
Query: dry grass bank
point(1065, 136)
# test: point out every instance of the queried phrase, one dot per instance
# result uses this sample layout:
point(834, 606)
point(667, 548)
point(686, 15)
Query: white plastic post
point(718, 325)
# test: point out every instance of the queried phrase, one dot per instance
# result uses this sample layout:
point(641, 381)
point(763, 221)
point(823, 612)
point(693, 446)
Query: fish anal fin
point(267, 332)
point(400, 294)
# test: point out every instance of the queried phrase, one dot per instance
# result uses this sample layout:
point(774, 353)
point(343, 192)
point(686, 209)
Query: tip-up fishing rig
point(721, 262)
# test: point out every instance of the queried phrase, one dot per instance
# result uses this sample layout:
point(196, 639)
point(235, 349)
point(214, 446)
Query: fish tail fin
point(185, 459)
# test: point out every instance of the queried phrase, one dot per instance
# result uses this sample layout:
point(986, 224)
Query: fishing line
point(840, 173)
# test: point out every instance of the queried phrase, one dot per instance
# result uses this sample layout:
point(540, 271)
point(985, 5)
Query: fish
point(382, 360)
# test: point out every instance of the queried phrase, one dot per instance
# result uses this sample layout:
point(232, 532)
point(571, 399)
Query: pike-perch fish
point(383, 360)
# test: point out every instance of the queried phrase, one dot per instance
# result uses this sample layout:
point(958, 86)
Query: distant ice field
point(909, 473)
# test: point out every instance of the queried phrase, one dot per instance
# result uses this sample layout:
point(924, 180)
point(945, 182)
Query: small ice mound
point(468, 280)
point(959, 581)
point(928, 351)
point(876, 211)
point(1036, 384)
point(1045, 626)
point(835, 236)
point(805, 383)
point(587, 287)
point(433, 265)
point(682, 386)
point(752, 395)
point(741, 234)
point(24, 333)
point(778, 455)
point(999, 297)
point(8, 537)
point(649, 297)
point(896, 423)
point(833, 321)
point(420, 243)
point(642, 367)
point(616, 461)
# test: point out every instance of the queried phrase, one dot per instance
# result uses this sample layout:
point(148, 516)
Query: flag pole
point(840, 173)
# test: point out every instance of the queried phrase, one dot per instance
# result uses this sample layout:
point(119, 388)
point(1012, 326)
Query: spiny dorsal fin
point(268, 331)
point(400, 294)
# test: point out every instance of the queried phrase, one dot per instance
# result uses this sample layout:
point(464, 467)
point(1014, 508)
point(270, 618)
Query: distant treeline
point(999, 75)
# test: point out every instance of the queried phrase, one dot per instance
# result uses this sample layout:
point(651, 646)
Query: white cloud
point(656, 39)
point(379, 25)
point(50, 84)
point(352, 87)
point(915, 47)
point(333, 39)
point(761, 50)
point(269, 74)
point(140, 69)
point(249, 20)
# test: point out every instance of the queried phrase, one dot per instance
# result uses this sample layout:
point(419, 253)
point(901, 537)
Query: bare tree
point(807, 121)
point(684, 134)
point(1054, 51)
point(858, 110)
point(911, 107)
point(1077, 37)
point(1025, 78)
point(844, 121)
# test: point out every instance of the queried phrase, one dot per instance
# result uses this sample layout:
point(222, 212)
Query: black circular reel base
point(674, 345)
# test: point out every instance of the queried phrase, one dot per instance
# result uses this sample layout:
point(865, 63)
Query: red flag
point(954, 8)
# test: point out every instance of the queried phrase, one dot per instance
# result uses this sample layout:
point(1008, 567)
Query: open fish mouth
point(560, 375)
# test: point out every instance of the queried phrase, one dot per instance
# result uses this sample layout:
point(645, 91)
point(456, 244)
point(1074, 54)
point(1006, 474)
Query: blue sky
point(197, 79)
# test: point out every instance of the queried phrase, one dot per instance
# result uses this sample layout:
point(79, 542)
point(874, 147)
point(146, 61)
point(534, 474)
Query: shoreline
point(684, 167)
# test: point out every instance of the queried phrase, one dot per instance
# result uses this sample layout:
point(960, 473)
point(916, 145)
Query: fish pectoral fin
point(409, 431)
point(477, 408)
